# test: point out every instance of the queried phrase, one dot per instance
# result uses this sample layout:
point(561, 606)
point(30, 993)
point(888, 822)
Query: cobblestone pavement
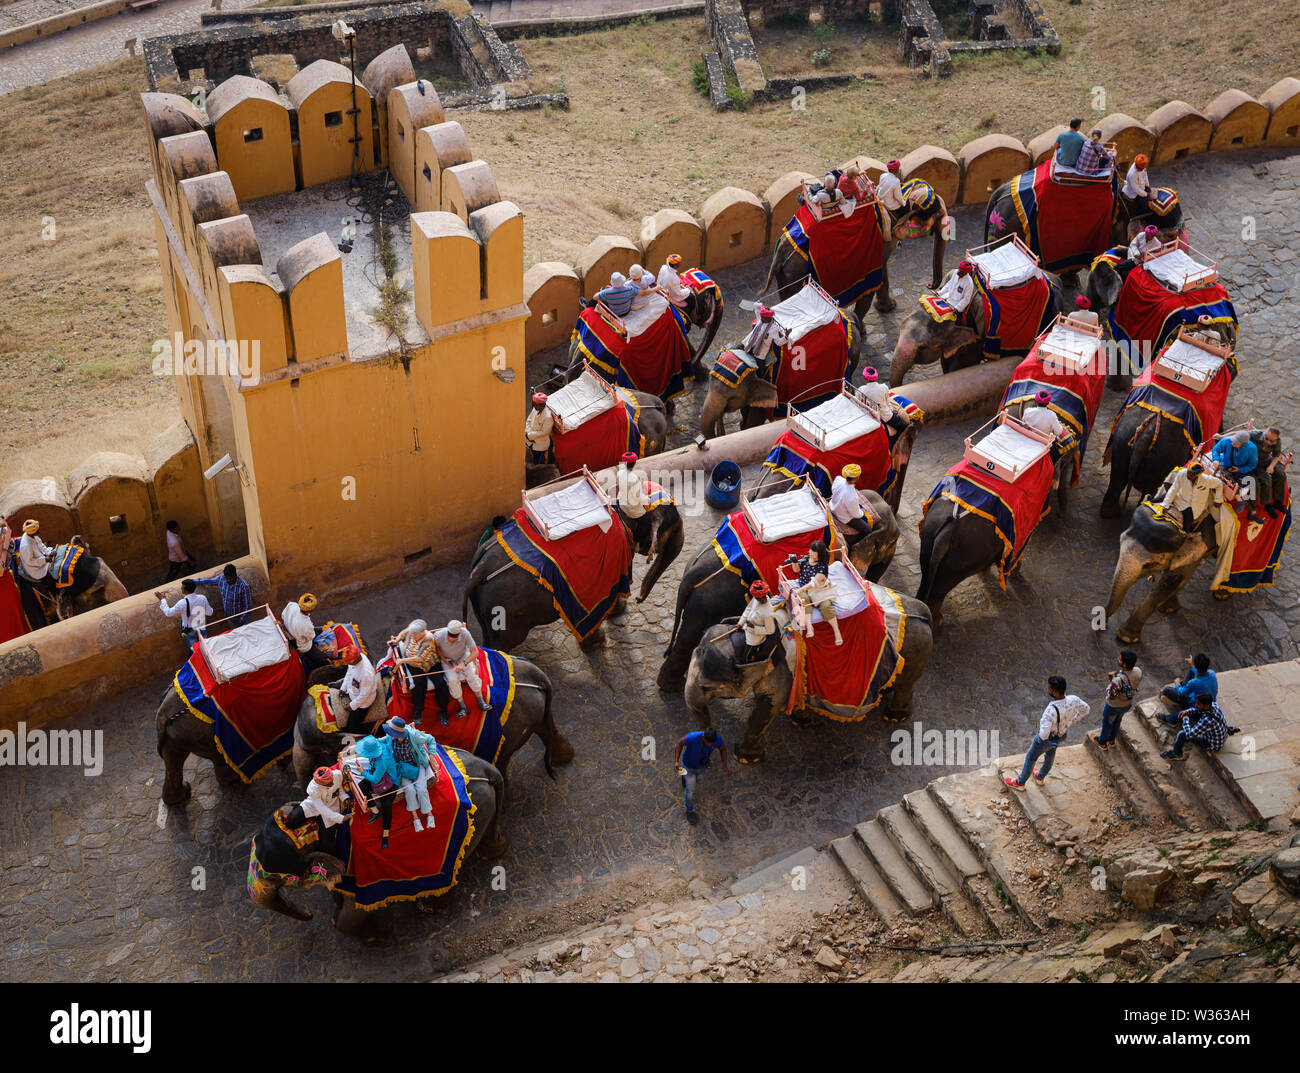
point(99, 885)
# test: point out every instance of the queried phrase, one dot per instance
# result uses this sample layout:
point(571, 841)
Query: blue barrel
point(723, 492)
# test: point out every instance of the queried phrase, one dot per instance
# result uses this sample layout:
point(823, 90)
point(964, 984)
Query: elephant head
point(277, 863)
point(923, 340)
point(1102, 287)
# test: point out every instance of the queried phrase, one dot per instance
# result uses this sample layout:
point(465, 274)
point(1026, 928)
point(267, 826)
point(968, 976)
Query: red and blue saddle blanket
point(1075, 396)
point(794, 457)
point(1112, 257)
point(1148, 314)
point(845, 256)
point(658, 361)
point(1067, 225)
point(65, 564)
point(1197, 414)
point(334, 637)
point(475, 733)
point(1015, 509)
point(846, 682)
point(602, 440)
point(1163, 201)
point(744, 555)
point(731, 369)
point(1010, 319)
point(251, 716)
point(814, 368)
point(416, 863)
point(585, 573)
point(701, 283)
point(1258, 550)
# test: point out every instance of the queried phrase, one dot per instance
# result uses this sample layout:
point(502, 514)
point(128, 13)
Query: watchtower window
point(334, 119)
point(254, 135)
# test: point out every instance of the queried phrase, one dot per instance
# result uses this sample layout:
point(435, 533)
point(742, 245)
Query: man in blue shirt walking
point(236, 598)
point(692, 757)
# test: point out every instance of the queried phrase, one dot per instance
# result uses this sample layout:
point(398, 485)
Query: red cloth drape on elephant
point(601, 441)
point(13, 623)
point(851, 677)
point(846, 256)
point(813, 366)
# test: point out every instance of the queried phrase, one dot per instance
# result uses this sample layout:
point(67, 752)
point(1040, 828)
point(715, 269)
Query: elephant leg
point(226, 776)
point(561, 748)
point(175, 790)
point(349, 919)
point(619, 609)
point(1162, 592)
point(884, 300)
point(302, 767)
point(750, 750)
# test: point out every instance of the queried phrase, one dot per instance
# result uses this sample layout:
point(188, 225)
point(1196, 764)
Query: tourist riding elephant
point(709, 592)
point(530, 713)
point(957, 543)
point(788, 268)
point(755, 397)
point(954, 344)
point(1002, 218)
point(1151, 547)
point(283, 865)
point(495, 581)
point(652, 423)
point(717, 672)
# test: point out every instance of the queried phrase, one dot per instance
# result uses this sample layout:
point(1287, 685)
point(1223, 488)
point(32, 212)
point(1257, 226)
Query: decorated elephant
point(791, 262)
point(295, 851)
point(1068, 224)
point(709, 592)
point(717, 671)
point(958, 542)
point(648, 437)
point(1147, 442)
point(1103, 288)
point(77, 581)
point(1152, 546)
point(509, 600)
point(734, 386)
point(968, 339)
point(529, 714)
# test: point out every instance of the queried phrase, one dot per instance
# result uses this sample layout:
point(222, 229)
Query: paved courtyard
point(100, 884)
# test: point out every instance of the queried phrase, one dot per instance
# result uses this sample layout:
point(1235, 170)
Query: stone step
point(1196, 774)
point(894, 867)
point(948, 842)
point(864, 876)
point(1000, 874)
point(935, 874)
point(1143, 746)
point(1118, 766)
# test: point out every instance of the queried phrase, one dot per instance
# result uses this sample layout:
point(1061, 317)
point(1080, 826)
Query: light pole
point(343, 32)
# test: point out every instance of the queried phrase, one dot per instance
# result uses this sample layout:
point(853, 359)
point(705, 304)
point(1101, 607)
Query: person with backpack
point(693, 754)
point(1119, 698)
point(193, 609)
point(1061, 712)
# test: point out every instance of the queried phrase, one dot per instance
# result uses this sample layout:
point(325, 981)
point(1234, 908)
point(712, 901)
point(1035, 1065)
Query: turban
point(766, 313)
point(1082, 302)
point(307, 603)
point(894, 165)
point(1195, 468)
point(852, 471)
point(965, 268)
point(1140, 160)
point(1043, 398)
point(351, 654)
point(323, 776)
point(1150, 229)
point(628, 459)
point(539, 397)
point(759, 588)
point(30, 526)
point(674, 259)
point(870, 375)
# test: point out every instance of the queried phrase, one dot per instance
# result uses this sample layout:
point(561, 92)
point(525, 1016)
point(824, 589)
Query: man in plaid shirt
point(1209, 731)
point(236, 598)
point(1093, 158)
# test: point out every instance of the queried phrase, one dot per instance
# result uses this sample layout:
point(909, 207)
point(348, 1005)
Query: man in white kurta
point(538, 426)
point(758, 620)
point(764, 333)
point(297, 621)
point(33, 555)
point(959, 288)
point(670, 282)
point(360, 683)
point(846, 506)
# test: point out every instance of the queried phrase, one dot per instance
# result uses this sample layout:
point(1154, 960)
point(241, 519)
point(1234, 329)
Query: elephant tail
point(548, 728)
point(1140, 447)
point(678, 611)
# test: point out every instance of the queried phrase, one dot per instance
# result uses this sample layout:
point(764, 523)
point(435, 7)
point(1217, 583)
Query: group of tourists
point(1244, 468)
point(624, 293)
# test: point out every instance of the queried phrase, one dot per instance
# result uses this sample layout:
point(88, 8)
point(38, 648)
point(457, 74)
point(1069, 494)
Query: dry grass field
point(79, 314)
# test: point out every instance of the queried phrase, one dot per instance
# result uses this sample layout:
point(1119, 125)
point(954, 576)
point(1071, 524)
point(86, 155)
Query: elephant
point(756, 395)
point(957, 544)
point(1149, 547)
point(715, 673)
point(704, 310)
point(495, 580)
point(1145, 446)
point(93, 583)
point(1001, 218)
point(280, 859)
point(952, 343)
point(708, 592)
point(653, 426)
point(1102, 289)
point(788, 268)
point(530, 713)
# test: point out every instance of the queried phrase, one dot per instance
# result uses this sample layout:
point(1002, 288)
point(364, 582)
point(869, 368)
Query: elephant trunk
point(1128, 569)
point(270, 895)
point(905, 353)
point(113, 588)
point(697, 699)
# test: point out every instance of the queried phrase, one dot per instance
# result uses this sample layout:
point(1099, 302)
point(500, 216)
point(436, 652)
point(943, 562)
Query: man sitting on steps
point(1209, 731)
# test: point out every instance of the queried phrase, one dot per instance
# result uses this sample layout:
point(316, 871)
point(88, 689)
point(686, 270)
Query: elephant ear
point(1104, 286)
point(962, 338)
point(763, 394)
point(323, 868)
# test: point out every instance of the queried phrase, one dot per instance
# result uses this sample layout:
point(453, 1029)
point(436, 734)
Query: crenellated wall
point(734, 225)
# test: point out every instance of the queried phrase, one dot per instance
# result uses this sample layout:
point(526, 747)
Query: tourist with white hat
point(459, 655)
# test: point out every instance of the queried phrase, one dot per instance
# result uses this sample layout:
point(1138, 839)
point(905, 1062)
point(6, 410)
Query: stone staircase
point(950, 848)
